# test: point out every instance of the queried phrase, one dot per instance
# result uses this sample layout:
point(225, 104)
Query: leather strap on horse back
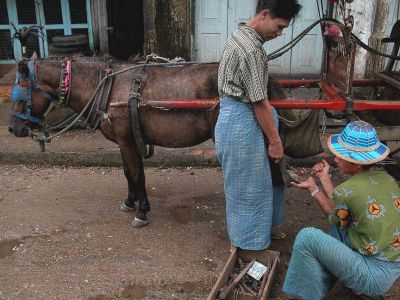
point(137, 132)
point(102, 99)
point(138, 83)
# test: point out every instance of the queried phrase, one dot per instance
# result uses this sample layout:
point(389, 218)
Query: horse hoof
point(137, 223)
point(125, 208)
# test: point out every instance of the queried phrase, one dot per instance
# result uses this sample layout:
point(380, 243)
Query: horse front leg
point(136, 183)
point(129, 204)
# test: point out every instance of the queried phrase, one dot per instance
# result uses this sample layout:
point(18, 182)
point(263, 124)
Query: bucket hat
point(358, 143)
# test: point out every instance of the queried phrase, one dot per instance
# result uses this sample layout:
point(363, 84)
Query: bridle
point(24, 94)
point(64, 89)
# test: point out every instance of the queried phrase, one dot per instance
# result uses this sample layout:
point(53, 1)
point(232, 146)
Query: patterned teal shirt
point(369, 205)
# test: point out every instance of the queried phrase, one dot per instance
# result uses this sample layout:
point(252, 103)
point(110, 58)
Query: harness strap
point(27, 117)
point(25, 93)
point(102, 98)
point(137, 131)
point(137, 86)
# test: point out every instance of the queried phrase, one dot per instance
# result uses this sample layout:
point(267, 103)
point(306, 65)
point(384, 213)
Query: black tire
point(62, 51)
point(70, 41)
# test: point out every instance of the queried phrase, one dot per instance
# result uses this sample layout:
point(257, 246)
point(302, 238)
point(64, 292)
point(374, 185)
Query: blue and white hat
point(358, 143)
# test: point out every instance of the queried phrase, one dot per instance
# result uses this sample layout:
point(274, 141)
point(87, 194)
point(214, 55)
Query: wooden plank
point(226, 291)
point(271, 276)
point(95, 24)
point(223, 277)
point(103, 25)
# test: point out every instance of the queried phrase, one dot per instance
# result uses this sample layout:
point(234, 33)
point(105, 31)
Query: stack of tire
point(65, 46)
point(69, 45)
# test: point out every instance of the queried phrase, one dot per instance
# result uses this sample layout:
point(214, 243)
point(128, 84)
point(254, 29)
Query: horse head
point(30, 100)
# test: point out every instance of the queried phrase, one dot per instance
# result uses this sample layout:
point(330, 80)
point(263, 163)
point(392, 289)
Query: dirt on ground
point(62, 236)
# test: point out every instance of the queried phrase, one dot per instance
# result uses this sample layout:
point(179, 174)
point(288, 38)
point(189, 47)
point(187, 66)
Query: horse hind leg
point(129, 204)
point(136, 184)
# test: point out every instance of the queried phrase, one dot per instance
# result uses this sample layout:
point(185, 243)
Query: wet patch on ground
point(189, 214)
point(133, 292)
point(9, 246)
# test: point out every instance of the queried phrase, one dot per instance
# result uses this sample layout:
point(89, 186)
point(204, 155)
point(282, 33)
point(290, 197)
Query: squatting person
point(363, 249)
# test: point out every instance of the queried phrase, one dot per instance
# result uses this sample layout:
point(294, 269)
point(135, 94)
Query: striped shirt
point(243, 70)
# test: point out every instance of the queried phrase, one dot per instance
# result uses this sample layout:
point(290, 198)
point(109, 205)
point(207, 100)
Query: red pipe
point(182, 103)
point(333, 104)
point(331, 91)
point(209, 103)
point(297, 83)
point(376, 105)
point(368, 82)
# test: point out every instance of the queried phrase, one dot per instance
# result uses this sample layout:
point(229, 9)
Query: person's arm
point(327, 185)
point(264, 116)
point(325, 203)
point(323, 174)
point(254, 74)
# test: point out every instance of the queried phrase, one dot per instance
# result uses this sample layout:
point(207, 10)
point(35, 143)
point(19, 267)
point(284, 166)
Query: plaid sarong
point(241, 151)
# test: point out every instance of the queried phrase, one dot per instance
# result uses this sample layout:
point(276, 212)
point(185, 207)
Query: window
point(57, 17)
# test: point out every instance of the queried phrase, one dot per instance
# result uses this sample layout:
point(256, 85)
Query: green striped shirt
point(243, 70)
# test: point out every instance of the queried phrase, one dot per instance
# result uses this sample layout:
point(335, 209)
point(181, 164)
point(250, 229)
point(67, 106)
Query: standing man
point(245, 116)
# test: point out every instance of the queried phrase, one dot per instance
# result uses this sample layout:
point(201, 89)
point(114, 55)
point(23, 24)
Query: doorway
point(126, 35)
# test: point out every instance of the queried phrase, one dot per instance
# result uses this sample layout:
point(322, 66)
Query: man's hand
point(275, 151)
point(308, 184)
point(323, 169)
point(265, 119)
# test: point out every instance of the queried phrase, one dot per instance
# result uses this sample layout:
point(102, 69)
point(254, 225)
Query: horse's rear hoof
point(125, 208)
point(137, 223)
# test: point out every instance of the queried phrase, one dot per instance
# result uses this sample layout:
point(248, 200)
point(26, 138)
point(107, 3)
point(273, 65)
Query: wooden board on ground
point(266, 257)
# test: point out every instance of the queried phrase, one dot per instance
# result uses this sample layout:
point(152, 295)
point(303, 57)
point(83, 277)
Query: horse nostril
point(11, 129)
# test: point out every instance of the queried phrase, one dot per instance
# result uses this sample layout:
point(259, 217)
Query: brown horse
point(167, 128)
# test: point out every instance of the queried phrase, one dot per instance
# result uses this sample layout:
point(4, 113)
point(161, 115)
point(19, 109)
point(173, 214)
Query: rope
point(63, 123)
point(41, 138)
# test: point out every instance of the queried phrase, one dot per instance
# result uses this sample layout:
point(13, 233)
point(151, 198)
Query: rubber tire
point(70, 41)
point(62, 51)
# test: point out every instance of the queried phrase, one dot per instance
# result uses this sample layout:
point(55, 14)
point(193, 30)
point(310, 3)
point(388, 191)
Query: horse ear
point(34, 55)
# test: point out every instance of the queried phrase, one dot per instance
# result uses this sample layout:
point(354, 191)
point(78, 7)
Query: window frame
point(66, 26)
